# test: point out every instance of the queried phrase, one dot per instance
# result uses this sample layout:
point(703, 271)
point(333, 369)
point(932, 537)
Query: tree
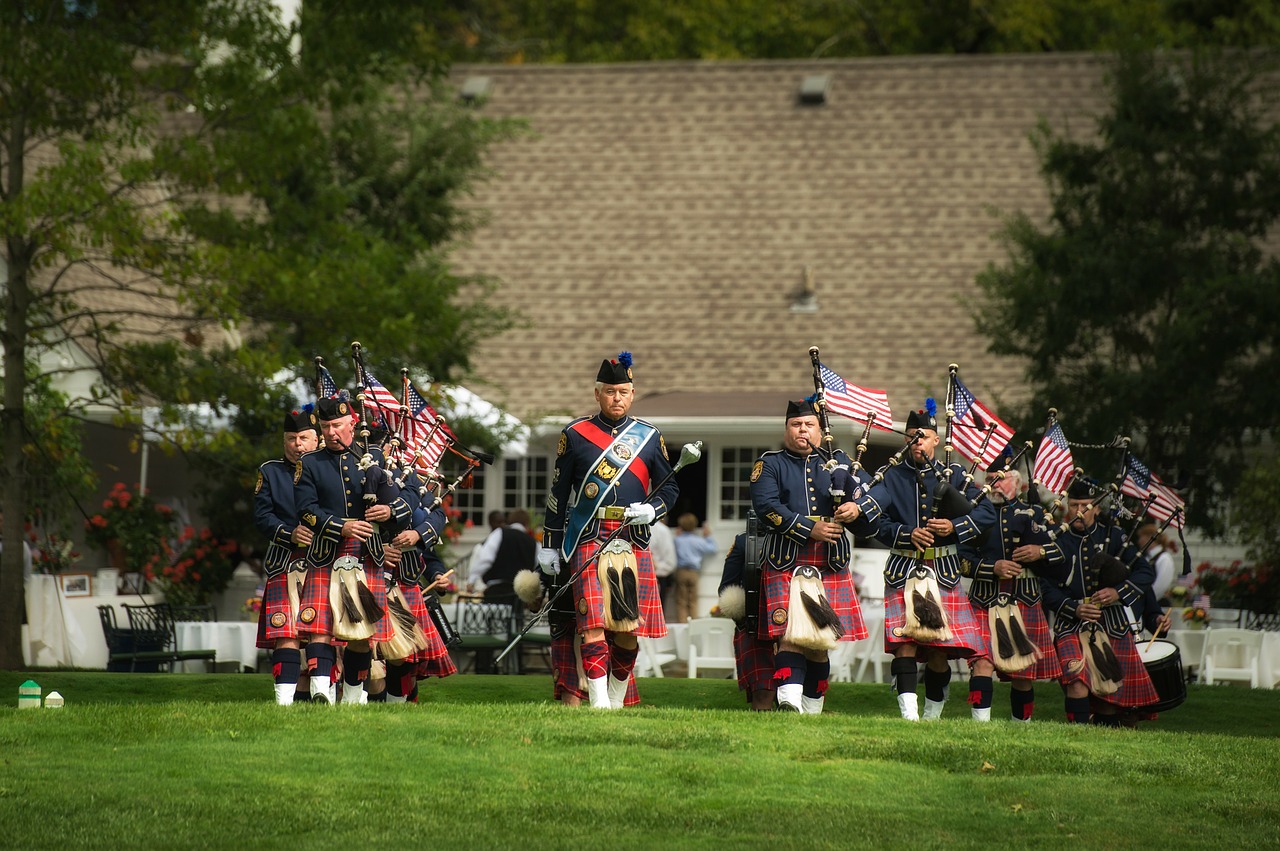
point(194, 205)
point(1144, 304)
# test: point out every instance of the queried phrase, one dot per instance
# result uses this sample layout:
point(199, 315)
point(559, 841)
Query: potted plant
point(194, 568)
point(132, 528)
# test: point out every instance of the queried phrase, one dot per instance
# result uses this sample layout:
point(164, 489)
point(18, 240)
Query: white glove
point(639, 514)
point(549, 561)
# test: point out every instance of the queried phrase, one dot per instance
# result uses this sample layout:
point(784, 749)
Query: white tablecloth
point(234, 641)
point(66, 631)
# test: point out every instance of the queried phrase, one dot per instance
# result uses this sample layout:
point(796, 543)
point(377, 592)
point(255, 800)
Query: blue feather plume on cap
point(931, 407)
point(812, 398)
point(624, 358)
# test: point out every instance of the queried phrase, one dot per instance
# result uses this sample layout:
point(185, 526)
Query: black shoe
point(788, 707)
point(320, 699)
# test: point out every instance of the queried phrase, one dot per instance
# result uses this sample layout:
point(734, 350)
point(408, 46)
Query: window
point(470, 500)
point(735, 479)
point(526, 483)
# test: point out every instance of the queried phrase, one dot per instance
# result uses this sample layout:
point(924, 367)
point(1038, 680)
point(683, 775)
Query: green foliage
point(1143, 304)
point(679, 771)
point(641, 30)
point(1255, 513)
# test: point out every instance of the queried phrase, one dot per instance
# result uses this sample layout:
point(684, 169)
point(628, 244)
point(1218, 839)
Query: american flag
point(1137, 478)
point(416, 428)
point(328, 387)
point(1139, 482)
point(1054, 464)
point(854, 402)
point(1167, 503)
point(972, 421)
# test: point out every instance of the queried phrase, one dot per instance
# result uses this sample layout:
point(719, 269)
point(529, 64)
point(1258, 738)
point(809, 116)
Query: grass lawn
point(207, 761)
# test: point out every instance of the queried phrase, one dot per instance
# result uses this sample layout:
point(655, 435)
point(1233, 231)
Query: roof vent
point(474, 89)
point(813, 90)
point(805, 299)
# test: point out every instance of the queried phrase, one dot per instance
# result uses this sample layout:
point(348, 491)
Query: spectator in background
point(662, 547)
point(1160, 555)
point(691, 549)
point(497, 520)
point(508, 550)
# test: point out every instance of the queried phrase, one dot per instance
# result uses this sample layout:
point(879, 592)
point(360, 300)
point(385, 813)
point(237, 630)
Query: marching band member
point(754, 655)
point(1005, 596)
point(345, 556)
point(807, 599)
point(275, 516)
point(605, 465)
point(927, 615)
point(1101, 669)
point(411, 555)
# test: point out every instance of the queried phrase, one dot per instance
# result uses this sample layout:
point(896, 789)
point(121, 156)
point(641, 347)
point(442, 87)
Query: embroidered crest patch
point(779, 616)
point(297, 472)
point(307, 615)
point(591, 490)
point(756, 471)
point(606, 470)
point(563, 446)
point(278, 620)
point(309, 518)
point(582, 605)
point(623, 451)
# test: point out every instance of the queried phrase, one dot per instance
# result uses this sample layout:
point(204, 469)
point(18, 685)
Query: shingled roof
point(677, 209)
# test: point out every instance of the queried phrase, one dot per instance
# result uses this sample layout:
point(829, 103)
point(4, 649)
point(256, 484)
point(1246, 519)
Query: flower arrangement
point(252, 606)
point(1256, 588)
point(194, 568)
point(132, 528)
point(52, 553)
point(1195, 617)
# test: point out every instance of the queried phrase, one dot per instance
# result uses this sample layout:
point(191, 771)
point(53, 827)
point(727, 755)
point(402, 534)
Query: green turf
point(191, 761)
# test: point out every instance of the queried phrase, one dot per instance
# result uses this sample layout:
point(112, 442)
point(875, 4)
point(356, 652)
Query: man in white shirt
point(663, 548)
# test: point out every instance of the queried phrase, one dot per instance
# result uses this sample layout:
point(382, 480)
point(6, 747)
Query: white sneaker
point(933, 709)
point(285, 693)
point(981, 714)
point(790, 697)
point(812, 705)
point(617, 691)
point(907, 705)
point(598, 692)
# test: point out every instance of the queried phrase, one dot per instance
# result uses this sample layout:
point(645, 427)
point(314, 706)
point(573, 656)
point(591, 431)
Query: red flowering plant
point(193, 568)
point(52, 553)
point(131, 527)
point(1256, 588)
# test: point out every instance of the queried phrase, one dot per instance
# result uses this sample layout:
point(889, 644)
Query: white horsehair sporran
point(925, 616)
point(346, 581)
point(811, 622)
point(619, 586)
point(1012, 650)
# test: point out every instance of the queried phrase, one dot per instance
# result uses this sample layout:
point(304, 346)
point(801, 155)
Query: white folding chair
point(870, 650)
point(842, 662)
point(1232, 655)
point(711, 645)
point(654, 654)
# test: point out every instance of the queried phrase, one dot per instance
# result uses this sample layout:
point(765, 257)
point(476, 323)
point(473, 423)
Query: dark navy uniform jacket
point(275, 513)
point(735, 563)
point(329, 491)
point(787, 492)
point(428, 523)
point(1017, 523)
point(1082, 579)
point(582, 443)
point(903, 501)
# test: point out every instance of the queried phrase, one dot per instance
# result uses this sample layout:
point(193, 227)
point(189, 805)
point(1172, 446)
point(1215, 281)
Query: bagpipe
point(843, 477)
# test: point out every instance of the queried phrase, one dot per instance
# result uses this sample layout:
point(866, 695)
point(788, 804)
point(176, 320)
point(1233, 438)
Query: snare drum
point(1163, 661)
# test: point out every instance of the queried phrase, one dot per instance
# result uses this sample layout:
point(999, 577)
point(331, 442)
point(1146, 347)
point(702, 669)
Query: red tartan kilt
point(588, 598)
point(755, 661)
point(965, 641)
point(315, 596)
point(1046, 667)
point(435, 660)
point(275, 599)
point(775, 595)
point(1135, 690)
point(566, 679)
